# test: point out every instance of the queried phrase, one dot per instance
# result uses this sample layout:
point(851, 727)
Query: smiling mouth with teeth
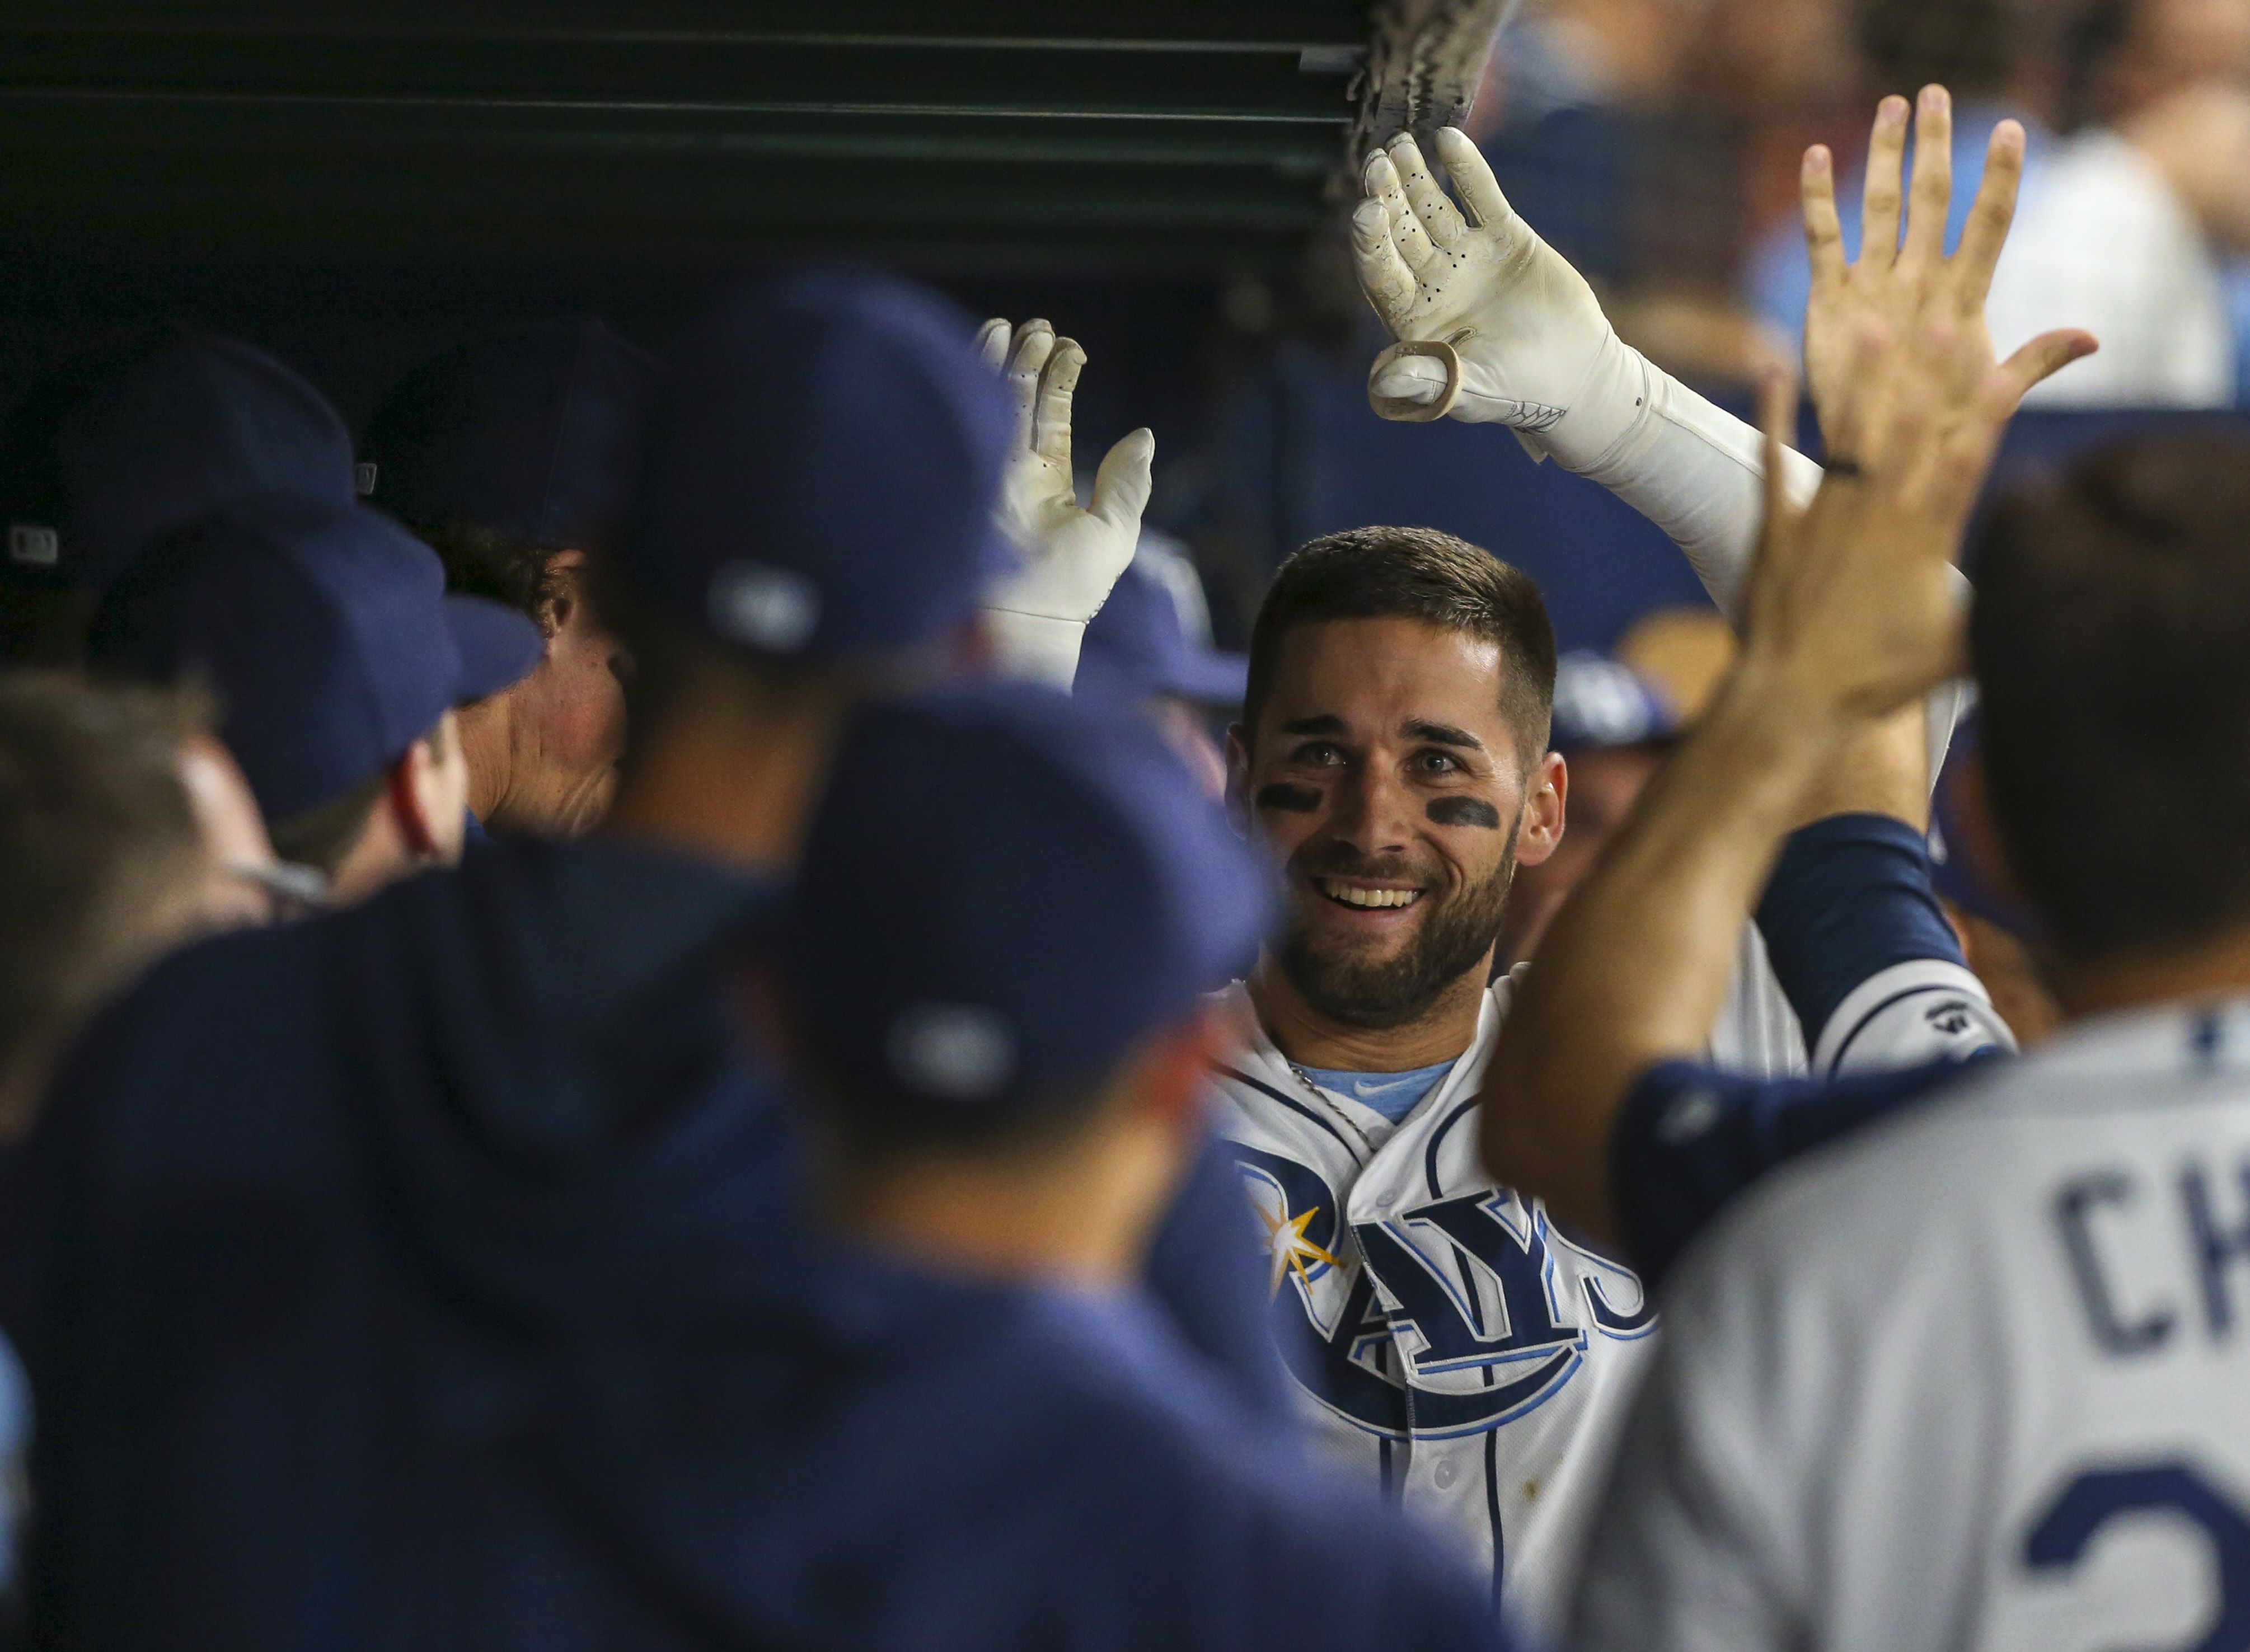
point(1344, 894)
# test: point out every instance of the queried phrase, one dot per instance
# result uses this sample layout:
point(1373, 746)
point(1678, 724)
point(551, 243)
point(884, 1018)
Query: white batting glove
point(1536, 353)
point(1073, 557)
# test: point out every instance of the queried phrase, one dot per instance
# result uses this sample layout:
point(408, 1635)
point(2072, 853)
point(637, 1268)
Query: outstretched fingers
point(1120, 488)
point(992, 341)
point(1057, 385)
point(1406, 232)
point(1986, 235)
point(1034, 343)
point(1440, 221)
point(1932, 206)
point(1383, 274)
point(1473, 181)
point(2039, 361)
point(1884, 202)
point(1824, 229)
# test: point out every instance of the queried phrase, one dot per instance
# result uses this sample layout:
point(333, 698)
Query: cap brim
point(1209, 679)
point(499, 646)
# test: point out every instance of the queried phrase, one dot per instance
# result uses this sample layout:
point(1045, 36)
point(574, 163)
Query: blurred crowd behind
point(1656, 143)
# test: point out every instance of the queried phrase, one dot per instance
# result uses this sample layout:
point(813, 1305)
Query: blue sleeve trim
point(1691, 1139)
point(1850, 898)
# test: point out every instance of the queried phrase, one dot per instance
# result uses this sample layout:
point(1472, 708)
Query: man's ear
point(565, 584)
point(429, 790)
point(1545, 802)
point(1238, 778)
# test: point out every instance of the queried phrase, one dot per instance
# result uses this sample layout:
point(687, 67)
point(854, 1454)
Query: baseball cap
point(1137, 647)
point(1003, 890)
point(122, 445)
point(535, 434)
point(1601, 704)
point(326, 631)
point(821, 470)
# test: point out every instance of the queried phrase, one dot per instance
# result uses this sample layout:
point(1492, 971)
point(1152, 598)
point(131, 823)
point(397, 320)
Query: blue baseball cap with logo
point(535, 434)
point(326, 631)
point(1602, 704)
point(1004, 892)
point(119, 447)
point(821, 470)
point(1138, 647)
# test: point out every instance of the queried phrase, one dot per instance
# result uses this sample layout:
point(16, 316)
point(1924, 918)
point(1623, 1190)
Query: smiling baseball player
point(1464, 1349)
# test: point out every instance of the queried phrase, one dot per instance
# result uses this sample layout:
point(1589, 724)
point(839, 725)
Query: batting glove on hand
point(1535, 351)
point(1073, 556)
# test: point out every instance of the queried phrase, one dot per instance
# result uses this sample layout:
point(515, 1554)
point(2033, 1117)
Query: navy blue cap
point(326, 633)
point(822, 468)
point(1601, 704)
point(535, 434)
point(1003, 890)
point(1137, 648)
point(120, 446)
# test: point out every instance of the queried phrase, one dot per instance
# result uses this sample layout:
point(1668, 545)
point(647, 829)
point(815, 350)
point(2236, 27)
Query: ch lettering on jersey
point(1461, 1289)
point(2147, 1259)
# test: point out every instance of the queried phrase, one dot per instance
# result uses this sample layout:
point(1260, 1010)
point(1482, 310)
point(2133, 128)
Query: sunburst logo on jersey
point(1289, 1248)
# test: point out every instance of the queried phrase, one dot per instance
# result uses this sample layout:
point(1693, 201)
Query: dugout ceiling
point(1087, 135)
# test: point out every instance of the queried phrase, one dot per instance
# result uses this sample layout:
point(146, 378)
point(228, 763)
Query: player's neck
point(2218, 968)
point(1311, 1039)
point(1081, 1214)
point(735, 780)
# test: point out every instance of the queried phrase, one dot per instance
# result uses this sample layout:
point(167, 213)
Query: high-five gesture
point(1494, 326)
point(1903, 282)
point(1073, 556)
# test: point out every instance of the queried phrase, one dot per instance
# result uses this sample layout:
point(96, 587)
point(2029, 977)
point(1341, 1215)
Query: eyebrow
point(1323, 725)
point(1443, 734)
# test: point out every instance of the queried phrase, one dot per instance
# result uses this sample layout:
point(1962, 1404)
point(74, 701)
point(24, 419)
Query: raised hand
point(1854, 610)
point(1899, 282)
point(1073, 556)
point(1474, 282)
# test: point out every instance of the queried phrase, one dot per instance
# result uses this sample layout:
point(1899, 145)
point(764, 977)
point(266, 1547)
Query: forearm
point(1636, 964)
point(1693, 469)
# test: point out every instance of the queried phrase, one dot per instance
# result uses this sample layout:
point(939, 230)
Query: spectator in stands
point(338, 662)
point(2105, 238)
point(513, 459)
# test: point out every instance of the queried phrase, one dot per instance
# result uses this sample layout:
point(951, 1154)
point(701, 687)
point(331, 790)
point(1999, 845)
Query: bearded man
point(1393, 756)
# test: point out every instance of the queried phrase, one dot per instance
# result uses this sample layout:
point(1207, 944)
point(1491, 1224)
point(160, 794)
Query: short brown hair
point(1418, 574)
point(483, 562)
point(97, 839)
point(2111, 636)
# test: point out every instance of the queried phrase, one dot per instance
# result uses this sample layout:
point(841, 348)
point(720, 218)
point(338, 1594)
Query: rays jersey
point(1464, 1352)
point(1980, 1378)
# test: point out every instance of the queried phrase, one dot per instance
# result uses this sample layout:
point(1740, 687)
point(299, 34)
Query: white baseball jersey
point(1465, 1353)
point(1977, 1378)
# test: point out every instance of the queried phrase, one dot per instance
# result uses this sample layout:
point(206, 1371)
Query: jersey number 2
point(2090, 1502)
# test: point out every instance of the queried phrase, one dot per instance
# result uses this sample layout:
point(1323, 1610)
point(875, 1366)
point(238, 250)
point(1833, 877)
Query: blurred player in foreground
point(381, 1257)
point(1470, 1355)
point(1972, 1378)
point(977, 1433)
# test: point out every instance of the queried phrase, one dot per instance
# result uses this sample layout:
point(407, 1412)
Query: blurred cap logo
point(768, 608)
point(956, 1051)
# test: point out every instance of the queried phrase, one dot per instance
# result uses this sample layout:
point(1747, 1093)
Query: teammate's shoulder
point(1916, 1160)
